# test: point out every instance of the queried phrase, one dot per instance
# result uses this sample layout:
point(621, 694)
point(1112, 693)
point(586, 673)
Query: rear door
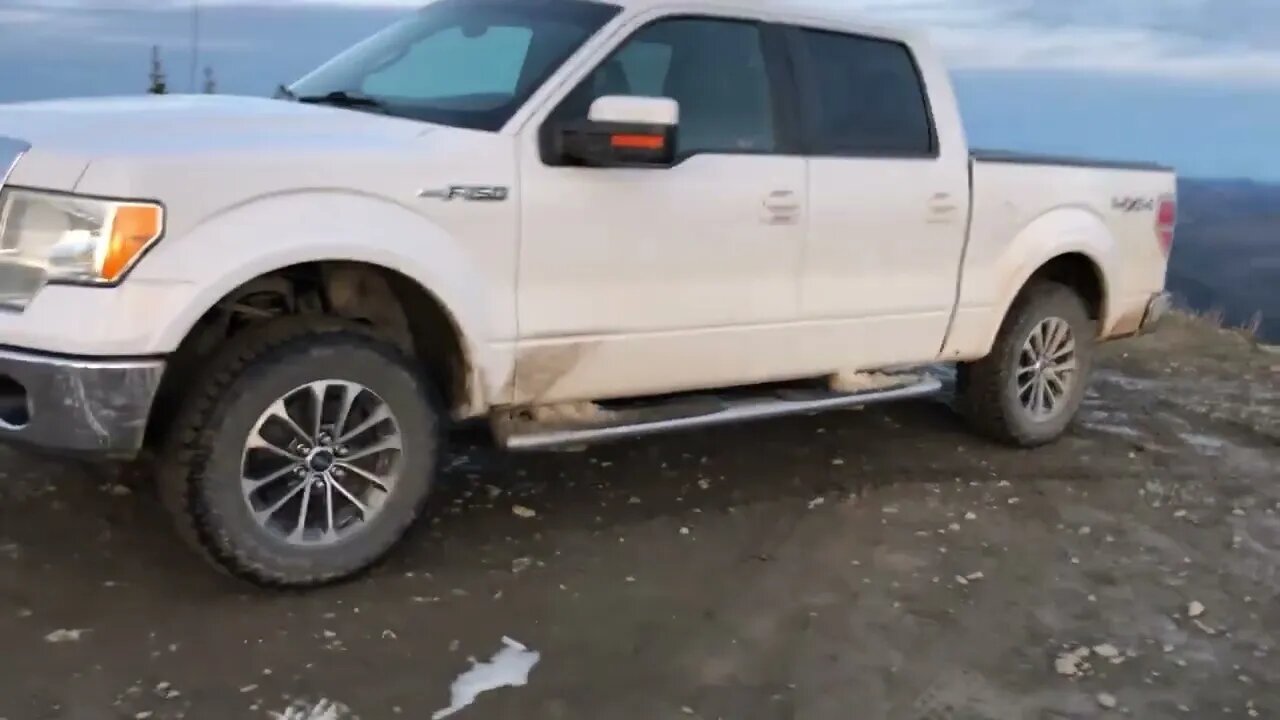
point(888, 197)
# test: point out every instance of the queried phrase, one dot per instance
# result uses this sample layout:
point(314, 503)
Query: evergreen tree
point(159, 86)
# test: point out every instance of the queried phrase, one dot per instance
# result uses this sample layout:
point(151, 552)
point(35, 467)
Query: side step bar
point(521, 434)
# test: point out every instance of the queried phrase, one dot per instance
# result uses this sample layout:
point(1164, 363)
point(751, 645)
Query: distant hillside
point(1227, 253)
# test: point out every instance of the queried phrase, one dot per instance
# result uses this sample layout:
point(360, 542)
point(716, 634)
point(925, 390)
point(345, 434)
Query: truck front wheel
point(1029, 389)
point(303, 453)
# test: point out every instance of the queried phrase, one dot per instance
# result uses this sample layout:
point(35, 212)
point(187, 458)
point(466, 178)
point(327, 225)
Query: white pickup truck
point(577, 219)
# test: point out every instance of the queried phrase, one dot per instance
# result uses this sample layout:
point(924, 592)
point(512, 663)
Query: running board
point(602, 424)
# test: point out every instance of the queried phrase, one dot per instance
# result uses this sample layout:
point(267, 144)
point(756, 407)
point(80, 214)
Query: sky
point(1192, 83)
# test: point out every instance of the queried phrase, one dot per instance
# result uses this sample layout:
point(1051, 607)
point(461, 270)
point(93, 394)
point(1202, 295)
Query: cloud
point(1234, 41)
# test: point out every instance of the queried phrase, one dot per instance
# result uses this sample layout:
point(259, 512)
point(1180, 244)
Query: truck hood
point(66, 136)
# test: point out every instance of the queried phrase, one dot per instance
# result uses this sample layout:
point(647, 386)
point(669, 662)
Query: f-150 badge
point(474, 193)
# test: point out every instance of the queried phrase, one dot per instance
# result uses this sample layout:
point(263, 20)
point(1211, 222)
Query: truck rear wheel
point(1029, 389)
point(303, 453)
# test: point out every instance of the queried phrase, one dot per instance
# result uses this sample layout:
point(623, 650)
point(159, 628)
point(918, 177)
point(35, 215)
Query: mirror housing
point(622, 131)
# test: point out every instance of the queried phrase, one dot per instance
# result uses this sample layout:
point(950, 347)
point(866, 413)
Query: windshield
point(467, 63)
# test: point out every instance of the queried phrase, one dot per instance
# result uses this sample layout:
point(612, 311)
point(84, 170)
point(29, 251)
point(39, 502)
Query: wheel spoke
point(350, 392)
point(303, 509)
point(1049, 400)
point(328, 503)
point(264, 515)
point(1066, 366)
point(256, 484)
point(1022, 389)
point(257, 442)
point(279, 411)
point(380, 483)
point(318, 390)
point(1061, 334)
point(1066, 349)
point(364, 509)
point(1037, 340)
point(379, 415)
point(391, 442)
point(1037, 396)
point(1058, 385)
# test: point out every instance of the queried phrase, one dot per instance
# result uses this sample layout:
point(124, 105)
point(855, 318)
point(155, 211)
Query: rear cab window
point(861, 96)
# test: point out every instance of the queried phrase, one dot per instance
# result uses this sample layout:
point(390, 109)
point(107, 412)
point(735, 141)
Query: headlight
point(50, 238)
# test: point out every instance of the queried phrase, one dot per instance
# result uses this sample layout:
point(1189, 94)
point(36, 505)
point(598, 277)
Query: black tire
point(987, 390)
point(200, 465)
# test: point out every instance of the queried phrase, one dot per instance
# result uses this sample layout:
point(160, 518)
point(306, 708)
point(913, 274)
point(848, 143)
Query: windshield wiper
point(343, 99)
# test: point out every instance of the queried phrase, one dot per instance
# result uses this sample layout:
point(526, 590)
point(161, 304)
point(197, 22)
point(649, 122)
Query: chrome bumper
point(1157, 308)
point(75, 405)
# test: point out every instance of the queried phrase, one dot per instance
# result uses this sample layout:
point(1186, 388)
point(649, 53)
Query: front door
point(644, 281)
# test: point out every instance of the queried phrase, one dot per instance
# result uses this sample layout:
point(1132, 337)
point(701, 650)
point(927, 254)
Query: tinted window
point(867, 96)
point(470, 63)
point(716, 71)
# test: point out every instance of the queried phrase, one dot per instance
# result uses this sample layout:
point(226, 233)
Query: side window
point(868, 98)
point(715, 69)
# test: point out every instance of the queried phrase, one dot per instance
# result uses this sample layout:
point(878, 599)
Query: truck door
point(641, 281)
point(889, 198)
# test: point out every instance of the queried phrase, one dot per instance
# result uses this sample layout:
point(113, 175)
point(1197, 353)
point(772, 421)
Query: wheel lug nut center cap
point(320, 460)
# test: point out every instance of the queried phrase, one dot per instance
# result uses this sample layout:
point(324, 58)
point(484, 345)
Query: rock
point(521, 564)
point(1195, 609)
point(1106, 650)
point(521, 511)
point(975, 576)
point(816, 502)
point(684, 531)
point(1107, 700)
point(64, 636)
point(1067, 665)
point(971, 515)
point(962, 580)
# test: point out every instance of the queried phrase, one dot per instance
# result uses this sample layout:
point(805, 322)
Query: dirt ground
point(857, 565)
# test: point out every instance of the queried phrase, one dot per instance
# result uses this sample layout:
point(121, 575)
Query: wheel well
point(1080, 273)
point(396, 306)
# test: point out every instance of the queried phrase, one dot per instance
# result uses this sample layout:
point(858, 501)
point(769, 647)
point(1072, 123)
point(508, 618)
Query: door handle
point(782, 201)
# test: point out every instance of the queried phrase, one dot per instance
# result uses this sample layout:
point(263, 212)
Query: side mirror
point(622, 131)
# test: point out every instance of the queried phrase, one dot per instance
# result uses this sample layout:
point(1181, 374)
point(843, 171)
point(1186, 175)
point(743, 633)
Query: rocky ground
point(873, 564)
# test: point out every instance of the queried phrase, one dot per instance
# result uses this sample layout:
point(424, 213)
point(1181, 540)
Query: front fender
point(267, 234)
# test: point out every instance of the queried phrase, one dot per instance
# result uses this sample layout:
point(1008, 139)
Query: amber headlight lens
point(53, 238)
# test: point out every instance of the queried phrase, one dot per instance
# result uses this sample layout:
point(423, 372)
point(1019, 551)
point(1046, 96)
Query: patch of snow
point(321, 710)
point(509, 667)
point(63, 636)
point(1204, 444)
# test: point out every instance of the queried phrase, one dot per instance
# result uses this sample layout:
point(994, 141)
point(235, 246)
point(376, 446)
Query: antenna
point(195, 42)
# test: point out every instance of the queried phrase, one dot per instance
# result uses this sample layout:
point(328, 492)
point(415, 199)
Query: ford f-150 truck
point(575, 219)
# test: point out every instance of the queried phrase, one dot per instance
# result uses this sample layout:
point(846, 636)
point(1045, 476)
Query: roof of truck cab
point(816, 12)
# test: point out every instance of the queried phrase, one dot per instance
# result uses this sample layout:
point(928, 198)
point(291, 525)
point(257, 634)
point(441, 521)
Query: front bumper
point(76, 405)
